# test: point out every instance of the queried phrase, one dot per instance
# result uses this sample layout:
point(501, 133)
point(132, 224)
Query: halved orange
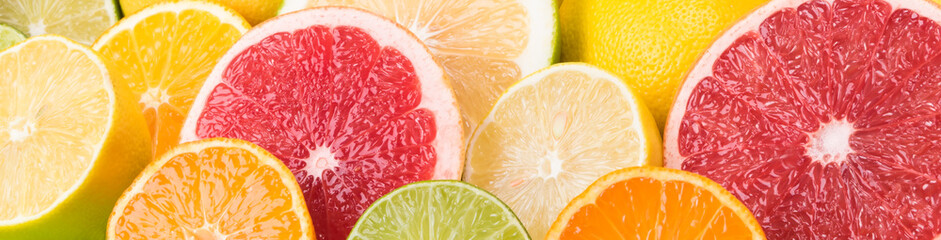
point(655, 203)
point(213, 189)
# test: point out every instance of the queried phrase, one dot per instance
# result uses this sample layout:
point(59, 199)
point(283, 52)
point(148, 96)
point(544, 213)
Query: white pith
point(319, 159)
point(437, 96)
point(703, 68)
point(830, 143)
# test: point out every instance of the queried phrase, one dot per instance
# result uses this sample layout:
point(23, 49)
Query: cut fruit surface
point(439, 210)
point(9, 36)
point(555, 132)
point(821, 116)
point(353, 103)
point(655, 203)
point(165, 71)
point(484, 45)
point(79, 20)
point(69, 141)
point(213, 189)
point(254, 11)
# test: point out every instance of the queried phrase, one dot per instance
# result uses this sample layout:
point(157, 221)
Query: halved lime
point(438, 210)
point(9, 36)
point(80, 20)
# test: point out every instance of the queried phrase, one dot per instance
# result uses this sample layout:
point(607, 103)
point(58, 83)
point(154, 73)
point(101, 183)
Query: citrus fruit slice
point(555, 132)
point(650, 44)
point(442, 209)
point(655, 203)
point(820, 116)
point(69, 141)
point(9, 36)
point(255, 11)
point(213, 189)
point(79, 20)
point(352, 102)
point(483, 45)
point(165, 71)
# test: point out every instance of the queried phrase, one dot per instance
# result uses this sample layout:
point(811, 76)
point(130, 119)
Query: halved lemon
point(165, 71)
point(70, 141)
point(484, 45)
point(213, 189)
point(554, 133)
point(655, 203)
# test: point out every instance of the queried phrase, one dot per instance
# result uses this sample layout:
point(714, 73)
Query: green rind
point(9, 36)
point(380, 206)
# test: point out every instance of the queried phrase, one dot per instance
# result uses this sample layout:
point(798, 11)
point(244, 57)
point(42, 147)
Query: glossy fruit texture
point(255, 11)
point(821, 116)
point(350, 101)
point(79, 20)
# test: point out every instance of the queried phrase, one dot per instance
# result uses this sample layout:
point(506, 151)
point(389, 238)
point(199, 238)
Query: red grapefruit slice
point(352, 103)
point(822, 117)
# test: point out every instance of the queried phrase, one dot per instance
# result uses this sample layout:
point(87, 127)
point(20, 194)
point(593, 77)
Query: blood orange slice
point(821, 116)
point(353, 103)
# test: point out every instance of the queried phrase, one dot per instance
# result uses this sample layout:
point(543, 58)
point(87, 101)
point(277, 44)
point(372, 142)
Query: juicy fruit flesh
point(354, 120)
point(647, 208)
point(213, 193)
point(476, 41)
point(79, 20)
point(254, 11)
point(822, 121)
point(166, 71)
point(52, 122)
point(9, 36)
point(547, 143)
point(439, 210)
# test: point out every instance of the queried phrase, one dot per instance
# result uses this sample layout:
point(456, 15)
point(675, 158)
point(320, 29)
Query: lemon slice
point(484, 45)
point(79, 20)
point(255, 11)
point(70, 143)
point(9, 36)
point(553, 134)
point(165, 71)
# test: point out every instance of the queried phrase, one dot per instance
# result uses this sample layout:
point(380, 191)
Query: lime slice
point(9, 36)
point(438, 210)
point(80, 20)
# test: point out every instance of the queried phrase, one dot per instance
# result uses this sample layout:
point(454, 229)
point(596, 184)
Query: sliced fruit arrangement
point(353, 103)
point(655, 203)
point(69, 141)
point(165, 71)
point(255, 11)
point(821, 116)
point(484, 45)
point(213, 189)
point(79, 20)
point(650, 44)
point(9, 36)
point(439, 210)
point(555, 132)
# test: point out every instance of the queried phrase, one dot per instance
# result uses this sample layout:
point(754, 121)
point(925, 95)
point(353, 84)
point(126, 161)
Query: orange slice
point(655, 203)
point(213, 189)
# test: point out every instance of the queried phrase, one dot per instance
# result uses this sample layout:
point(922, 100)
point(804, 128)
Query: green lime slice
point(80, 20)
point(438, 210)
point(9, 36)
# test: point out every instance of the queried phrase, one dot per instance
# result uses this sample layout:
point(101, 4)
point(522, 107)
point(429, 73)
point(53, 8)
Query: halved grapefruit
point(353, 103)
point(822, 117)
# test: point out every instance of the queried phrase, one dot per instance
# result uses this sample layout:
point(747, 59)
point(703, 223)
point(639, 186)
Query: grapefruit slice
point(353, 103)
point(821, 116)
point(213, 189)
point(655, 203)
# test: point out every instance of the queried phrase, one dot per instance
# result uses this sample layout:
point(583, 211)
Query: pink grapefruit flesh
point(351, 102)
point(822, 117)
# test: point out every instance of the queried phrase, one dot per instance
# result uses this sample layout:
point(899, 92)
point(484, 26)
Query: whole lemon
point(650, 44)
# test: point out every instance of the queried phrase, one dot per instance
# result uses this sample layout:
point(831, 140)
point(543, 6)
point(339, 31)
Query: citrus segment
point(655, 203)
point(438, 210)
point(79, 20)
point(213, 189)
point(255, 11)
point(820, 115)
point(484, 46)
point(69, 141)
point(166, 70)
point(555, 132)
point(351, 102)
point(9, 36)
